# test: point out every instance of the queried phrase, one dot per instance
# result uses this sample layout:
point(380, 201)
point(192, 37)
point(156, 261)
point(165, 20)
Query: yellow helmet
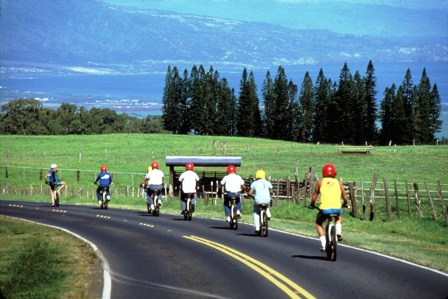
point(260, 174)
point(149, 168)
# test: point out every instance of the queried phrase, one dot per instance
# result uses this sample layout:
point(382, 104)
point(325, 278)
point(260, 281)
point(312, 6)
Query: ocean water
point(140, 94)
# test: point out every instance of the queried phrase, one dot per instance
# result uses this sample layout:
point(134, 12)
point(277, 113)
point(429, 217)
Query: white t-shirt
point(155, 177)
point(232, 182)
point(189, 179)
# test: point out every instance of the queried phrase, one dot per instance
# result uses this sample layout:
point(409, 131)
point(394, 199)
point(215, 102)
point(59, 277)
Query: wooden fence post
point(396, 198)
point(288, 188)
point(372, 197)
point(388, 204)
point(439, 194)
point(434, 214)
point(408, 196)
point(418, 204)
point(278, 191)
point(78, 175)
point(364, 207)
point(352, 196)
point(6, 172)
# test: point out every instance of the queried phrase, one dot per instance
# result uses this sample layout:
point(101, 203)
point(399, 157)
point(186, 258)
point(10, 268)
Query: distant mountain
point(89, 34)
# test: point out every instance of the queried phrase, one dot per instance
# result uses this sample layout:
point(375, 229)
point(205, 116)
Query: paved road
point(167, 257)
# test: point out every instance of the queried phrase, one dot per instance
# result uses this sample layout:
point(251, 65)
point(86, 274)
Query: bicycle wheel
point(328, 248)
point(187, 209)
point(104, 205)
point(233, 218)
point(156, 210)
point(264, 227)
point(56, 199)
point(331, 243)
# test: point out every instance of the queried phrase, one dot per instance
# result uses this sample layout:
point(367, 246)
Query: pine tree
point(408, 95)
point(281, 105)
point(386, 115)
point(371, 130)
point(322, 99)
point(345, 107)
point(292, 125)
point(198, 99)
point(435, 124)
point(172, 116)
point(306, 113)
point(360, 118)
point(224, 109)
point(249, 118)
point(269, 105)
point(424, 111)
point(184, 104)
point(211, 101)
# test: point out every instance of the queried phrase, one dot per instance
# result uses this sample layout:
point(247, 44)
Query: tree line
point(28, 117)
point(200, 102)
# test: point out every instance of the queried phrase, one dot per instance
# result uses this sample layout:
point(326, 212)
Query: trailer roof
point(202, 160)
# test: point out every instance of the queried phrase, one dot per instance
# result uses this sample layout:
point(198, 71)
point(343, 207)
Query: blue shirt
point(262, 191)
point(105, 179)
point(52, 176)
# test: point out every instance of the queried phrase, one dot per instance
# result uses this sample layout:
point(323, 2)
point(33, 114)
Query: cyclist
point(144, 184)
point(233, 184)
point(330, 190)
point(105, 180)
point(262, 191)
point(188, 179)
point(155, 181)
point(51, 178)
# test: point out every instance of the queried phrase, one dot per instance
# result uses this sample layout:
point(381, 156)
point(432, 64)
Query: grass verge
point(43, 262)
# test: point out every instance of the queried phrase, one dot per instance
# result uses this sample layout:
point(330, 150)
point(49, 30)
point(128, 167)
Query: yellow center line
point(293, 291)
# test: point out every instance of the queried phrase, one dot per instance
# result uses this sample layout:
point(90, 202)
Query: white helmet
point(53, 166)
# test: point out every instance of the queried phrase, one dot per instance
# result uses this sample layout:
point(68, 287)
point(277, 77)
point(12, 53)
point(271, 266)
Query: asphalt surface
point(168, 257)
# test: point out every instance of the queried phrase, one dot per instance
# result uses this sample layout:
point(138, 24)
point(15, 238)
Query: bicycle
point(189, 207)
point(263, 220)
point(330, 235)
point(105, 200)
point(233, 215)
point(56, 195)
point(155, 197)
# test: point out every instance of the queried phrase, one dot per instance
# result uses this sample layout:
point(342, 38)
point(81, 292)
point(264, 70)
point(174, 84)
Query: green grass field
point(421, 240)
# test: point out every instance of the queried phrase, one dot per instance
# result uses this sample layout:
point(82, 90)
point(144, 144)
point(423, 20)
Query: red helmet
point(189, 166)
point(231, 169)
point(329, 170)
point(103, 168)
point(155, 165)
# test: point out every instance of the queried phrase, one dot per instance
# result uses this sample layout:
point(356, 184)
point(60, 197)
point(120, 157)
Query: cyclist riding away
point(330, 190)
point(262, 191)
point(105, 180)
point(233, 184)
point(51, 178)
point(188, 179)
point(155, 181)
point(144, 184)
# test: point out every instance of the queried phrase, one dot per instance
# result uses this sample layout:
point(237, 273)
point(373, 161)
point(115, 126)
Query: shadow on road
point(309, 257)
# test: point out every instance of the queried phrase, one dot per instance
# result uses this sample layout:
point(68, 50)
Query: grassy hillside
point(133, 153)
